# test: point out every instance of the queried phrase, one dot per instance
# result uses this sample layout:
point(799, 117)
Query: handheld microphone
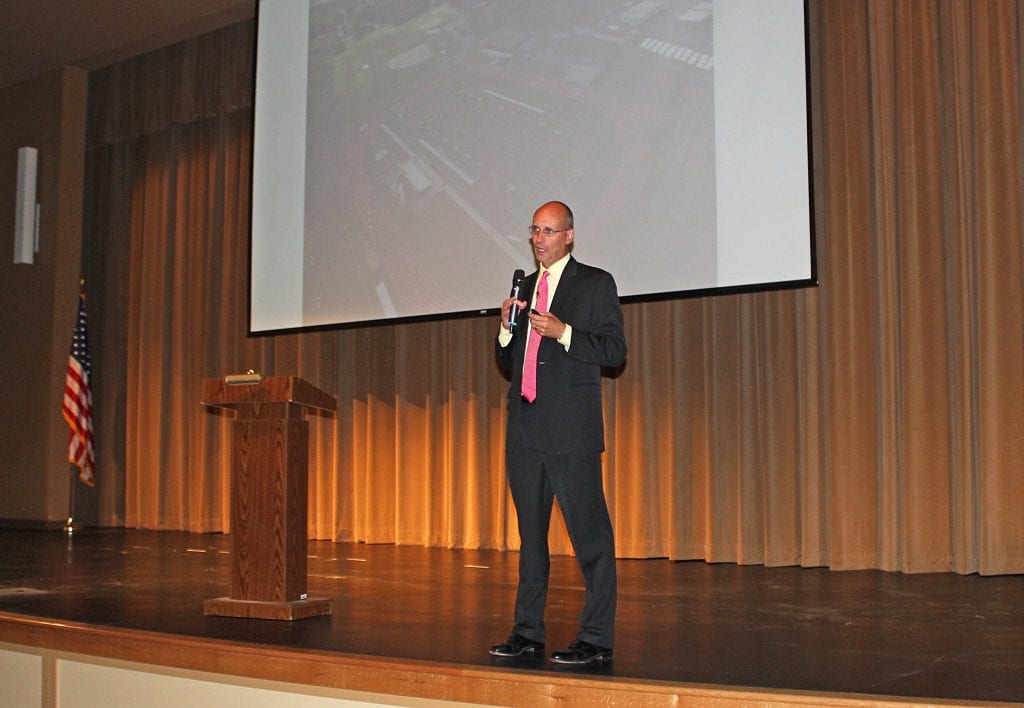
point(517, 284)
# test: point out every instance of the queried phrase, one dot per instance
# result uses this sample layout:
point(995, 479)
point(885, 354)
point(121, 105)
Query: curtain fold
point(874, 421)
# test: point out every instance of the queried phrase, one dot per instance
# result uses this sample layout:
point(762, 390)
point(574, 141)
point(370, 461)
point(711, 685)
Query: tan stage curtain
point(872, 422)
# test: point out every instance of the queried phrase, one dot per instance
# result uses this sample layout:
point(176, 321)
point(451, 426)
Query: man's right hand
point(507, 306)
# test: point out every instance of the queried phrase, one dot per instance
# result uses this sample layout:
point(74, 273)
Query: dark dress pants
point(535, 479)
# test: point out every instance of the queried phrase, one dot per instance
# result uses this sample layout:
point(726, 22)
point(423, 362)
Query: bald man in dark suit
point(555, 434)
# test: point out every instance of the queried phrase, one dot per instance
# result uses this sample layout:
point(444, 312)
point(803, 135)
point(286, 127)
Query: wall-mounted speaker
point(26, 211)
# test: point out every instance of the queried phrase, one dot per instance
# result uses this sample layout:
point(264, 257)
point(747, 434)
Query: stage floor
point(938, 636)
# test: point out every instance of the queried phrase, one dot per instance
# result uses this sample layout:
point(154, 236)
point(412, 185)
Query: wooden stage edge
point(399, 677)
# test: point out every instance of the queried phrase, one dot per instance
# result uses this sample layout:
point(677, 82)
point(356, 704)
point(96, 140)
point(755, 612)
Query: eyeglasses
point(547, 231)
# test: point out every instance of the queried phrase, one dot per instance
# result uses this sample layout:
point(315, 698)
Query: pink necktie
point(533, 344)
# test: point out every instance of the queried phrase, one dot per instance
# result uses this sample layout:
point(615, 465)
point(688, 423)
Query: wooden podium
point(270, 451)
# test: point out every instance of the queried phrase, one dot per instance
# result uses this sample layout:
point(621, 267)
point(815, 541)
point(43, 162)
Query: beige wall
point(38, 301)
point(39, 678)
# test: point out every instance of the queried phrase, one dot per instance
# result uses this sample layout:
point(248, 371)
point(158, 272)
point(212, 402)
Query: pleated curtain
point(873, 421)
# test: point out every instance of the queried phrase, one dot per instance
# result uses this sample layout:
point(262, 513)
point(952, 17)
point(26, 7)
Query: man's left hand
point(547, 325)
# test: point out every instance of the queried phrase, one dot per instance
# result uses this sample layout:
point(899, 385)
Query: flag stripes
point(77, 407)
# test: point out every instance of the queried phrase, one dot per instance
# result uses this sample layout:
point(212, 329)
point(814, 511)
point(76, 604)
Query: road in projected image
point(440, 127)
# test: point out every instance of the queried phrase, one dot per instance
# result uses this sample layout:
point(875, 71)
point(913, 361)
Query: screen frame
point(723, 290)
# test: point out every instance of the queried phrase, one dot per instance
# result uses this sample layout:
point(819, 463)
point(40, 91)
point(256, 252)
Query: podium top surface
point(270, 389)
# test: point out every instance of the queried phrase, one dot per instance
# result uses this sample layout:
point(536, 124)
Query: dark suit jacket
point(566, 418)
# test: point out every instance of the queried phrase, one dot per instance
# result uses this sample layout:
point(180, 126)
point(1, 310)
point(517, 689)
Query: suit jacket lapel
point(564, 290)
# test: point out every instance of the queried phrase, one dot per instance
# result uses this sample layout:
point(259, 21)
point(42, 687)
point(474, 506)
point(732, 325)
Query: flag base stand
point(69, 525)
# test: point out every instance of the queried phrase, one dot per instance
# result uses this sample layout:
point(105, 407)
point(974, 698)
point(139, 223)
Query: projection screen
point(400, 149)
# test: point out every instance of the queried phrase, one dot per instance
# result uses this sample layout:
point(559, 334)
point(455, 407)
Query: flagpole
point(69, 525)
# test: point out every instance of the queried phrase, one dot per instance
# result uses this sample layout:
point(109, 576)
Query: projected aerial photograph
point(436, 128)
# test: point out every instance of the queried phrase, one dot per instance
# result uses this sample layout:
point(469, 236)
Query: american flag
point(77, 409)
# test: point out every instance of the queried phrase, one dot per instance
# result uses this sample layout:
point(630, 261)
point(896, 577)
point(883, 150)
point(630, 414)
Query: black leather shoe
point(518, 645)
point(581, 652)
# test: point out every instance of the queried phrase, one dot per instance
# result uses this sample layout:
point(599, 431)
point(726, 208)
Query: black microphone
point(517, 284)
